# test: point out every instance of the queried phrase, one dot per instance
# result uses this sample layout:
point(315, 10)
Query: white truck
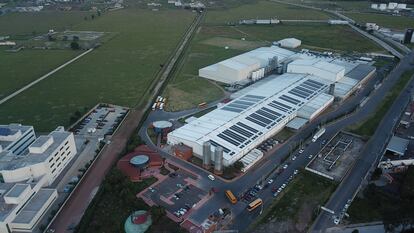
point(318, 134)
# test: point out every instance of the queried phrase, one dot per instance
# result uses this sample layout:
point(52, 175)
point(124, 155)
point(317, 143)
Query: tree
point(355, 231)
point(92, 16)
point(74, 45)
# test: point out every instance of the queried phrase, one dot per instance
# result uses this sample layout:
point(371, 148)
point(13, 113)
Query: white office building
point(24, 196)
point(16, 137)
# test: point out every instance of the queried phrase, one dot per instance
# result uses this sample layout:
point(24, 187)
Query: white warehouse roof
point(239, 68)
point(317, 67)
point(290, 43)
point(242, 124)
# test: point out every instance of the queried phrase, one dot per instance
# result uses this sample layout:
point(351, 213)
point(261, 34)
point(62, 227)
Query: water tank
point(206, 155)
point(332, 89)
point(218, 160)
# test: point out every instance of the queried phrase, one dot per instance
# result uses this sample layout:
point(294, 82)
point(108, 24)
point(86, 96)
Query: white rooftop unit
point(392, 5)
point(240, 68)
point(383, 6)
point(374, 6)
point(290, 43)
point(318, 68)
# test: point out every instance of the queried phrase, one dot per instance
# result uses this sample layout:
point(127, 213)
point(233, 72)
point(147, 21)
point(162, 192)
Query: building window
point(53, 170)
point(53, 164)
point(66, 143)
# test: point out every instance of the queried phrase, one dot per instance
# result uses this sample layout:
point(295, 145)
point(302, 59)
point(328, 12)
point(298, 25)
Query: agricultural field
point(262, 9)
point(18, 25)
point(118, 72)
point(336, 5)
point(389, 21)
point(187, 89)
point(19, 69)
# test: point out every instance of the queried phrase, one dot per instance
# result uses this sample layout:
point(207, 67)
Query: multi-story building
point(26, 169)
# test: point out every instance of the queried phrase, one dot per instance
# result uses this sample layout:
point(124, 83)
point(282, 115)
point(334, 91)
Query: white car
point(211, 177)
point(310, 156)
point(285, 166)
point(270, 181)
point(300, 151)
point(294, 158)
point(283, 186)
point(295, 172)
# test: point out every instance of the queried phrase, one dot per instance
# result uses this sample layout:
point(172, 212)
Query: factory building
point(26, 172)
point(310, 85)
point(241, 67)
point(242, 124)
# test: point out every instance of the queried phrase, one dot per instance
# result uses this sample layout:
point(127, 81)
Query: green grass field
point(395, 22)
point(118, 72)
point(262, 9)
point(342, 5)
point(368, 126)
point(25, 66)
point(20, 24)
point(298, 203)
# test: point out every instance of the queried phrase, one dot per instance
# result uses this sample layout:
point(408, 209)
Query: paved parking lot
point(176, 192)
point(101, 121)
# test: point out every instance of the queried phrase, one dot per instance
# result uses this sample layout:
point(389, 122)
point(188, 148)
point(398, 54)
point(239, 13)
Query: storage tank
point(206, 155)
point(331, 88)
point(162, 126)
point(218, 160)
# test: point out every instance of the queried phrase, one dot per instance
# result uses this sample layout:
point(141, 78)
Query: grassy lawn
point(25, 66)
point(261, 10)
point(21, 24)
point(343, 5)
point(299, 202)
point(367, 128)
point(118, 72)
point(315, 36)
point(395, 22)
point(107, 212)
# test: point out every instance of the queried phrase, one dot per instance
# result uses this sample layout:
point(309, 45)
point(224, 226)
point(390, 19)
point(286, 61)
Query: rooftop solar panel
point(215, 144)
point(247, 127)
point(238, 110)
point(5, 131)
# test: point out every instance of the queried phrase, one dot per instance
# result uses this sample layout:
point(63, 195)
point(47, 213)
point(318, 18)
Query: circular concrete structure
point(162, 126)
point(139, 161)
point(138, 222)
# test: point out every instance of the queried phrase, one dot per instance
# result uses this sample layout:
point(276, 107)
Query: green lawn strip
point(367, 128)
point(306, 189)
point(383, 20)
point(117, 72)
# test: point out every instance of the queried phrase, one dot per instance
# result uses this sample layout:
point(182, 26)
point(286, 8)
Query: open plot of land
point(19, 69)
point(262, 9)
point(337, 156)
point(118, 72)
point(294, 210)
point(383, 20)
point(18, 24)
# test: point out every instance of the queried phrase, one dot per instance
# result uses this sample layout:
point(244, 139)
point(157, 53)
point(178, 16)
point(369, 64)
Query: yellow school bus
point(253, 205)
point(231, 197)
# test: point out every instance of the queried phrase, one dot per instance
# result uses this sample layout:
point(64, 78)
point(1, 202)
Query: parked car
point(211, 177)
point(270, 181)
point(300, 151)
point(285, 166)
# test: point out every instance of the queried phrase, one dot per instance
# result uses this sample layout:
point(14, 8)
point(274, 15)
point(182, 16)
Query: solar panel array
point(241, 134)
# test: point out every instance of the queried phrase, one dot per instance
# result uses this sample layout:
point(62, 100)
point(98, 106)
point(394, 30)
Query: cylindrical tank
point(206, 155)
point(332, 89)
point(218, 160)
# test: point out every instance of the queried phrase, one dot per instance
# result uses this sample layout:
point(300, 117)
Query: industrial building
point(26, 171)
point(241, 68)
point(307, 86)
